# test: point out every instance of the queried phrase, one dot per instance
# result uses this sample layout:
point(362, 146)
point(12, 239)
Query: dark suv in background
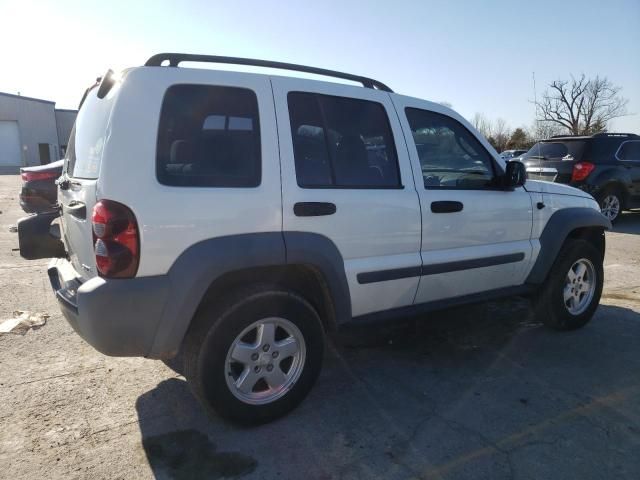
point(606, 165)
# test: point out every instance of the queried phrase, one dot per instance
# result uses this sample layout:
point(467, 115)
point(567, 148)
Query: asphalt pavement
point(475, 392)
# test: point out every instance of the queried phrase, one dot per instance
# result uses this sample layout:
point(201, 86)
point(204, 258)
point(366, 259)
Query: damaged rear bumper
point(116, 317)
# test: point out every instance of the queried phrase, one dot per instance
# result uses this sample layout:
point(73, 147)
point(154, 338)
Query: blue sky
point(478, 56)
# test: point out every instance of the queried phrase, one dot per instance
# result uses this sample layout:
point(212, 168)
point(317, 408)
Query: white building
point(32, 131)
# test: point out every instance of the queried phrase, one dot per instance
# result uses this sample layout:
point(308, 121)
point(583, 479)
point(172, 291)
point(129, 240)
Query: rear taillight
point(116, 242)
point(31, 176)
point(581, 170)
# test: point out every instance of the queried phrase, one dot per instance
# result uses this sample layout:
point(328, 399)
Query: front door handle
point(313, 209)
point(446, 206)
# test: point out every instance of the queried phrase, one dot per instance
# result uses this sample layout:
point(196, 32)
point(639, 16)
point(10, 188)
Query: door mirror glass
point(515, 174)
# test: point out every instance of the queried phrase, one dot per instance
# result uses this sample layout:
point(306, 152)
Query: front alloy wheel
point(579, 286)
point(569, 296)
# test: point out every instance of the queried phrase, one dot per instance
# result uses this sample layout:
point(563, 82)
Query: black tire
point(214, 329)
point(606, 194)
point(549, 304)
point(175, 364)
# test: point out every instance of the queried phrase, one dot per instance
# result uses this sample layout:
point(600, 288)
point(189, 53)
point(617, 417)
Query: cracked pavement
point(474, 392)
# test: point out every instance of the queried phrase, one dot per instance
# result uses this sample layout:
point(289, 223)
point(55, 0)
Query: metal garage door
point(9, 144)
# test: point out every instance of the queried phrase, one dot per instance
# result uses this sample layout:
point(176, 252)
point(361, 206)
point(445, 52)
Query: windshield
point(556, 150)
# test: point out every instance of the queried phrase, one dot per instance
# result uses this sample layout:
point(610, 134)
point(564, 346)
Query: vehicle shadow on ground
point(489, 380)
point(629, 222)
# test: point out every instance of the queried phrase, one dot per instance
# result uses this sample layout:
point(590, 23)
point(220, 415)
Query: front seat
point(352, 163)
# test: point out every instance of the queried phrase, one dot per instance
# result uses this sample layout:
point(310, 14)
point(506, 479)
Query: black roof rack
point(568, 135)
point(605, 134)
point(175, 59)
point(597, 135)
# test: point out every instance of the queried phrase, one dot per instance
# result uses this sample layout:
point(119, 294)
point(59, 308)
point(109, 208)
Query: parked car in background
point(606, 165)
point(511, 154)
point(39, 191)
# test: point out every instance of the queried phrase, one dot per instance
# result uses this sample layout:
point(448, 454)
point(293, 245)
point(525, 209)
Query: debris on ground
point(13, 228)
point(23, 321)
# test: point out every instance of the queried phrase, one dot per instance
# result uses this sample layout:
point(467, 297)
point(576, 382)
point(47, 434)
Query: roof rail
point(175, 59)
point(597, 135)
point(606, 134)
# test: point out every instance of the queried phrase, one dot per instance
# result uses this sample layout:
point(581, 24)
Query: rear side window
point(341, 142)
point(209, 137)
point(630, 151)
point(87, 139)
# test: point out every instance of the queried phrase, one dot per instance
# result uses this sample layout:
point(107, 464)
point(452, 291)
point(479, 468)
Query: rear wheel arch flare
point(312, 260)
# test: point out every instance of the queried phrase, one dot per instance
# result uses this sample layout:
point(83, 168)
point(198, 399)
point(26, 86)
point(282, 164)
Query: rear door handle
point(77, 209)
point(313, 209)
point(446, 206)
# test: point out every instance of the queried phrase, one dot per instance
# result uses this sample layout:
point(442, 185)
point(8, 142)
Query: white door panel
point(376, 296)
point(374, 229)
point(473, 280)
point(484, 246)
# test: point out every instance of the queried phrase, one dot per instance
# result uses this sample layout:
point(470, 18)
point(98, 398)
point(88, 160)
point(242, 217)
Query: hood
point(557, 188)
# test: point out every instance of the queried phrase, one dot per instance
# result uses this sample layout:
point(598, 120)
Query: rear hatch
point(553, 160)
point(79, 182)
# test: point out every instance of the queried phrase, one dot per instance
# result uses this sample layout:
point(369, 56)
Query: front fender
point(556, 231)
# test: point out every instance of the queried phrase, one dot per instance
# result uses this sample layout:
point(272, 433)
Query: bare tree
point(581, 106)
point(541, 130)
point(482, 124)
point(501, 133)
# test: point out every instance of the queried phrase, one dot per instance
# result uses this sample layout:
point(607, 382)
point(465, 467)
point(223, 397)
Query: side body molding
point(201, 264)
point(555, 232)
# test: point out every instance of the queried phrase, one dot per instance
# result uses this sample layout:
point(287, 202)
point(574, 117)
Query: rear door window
point(209, 136)
point(342, 142)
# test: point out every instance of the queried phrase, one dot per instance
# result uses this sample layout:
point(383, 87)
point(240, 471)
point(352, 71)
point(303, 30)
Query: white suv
point(231, 219)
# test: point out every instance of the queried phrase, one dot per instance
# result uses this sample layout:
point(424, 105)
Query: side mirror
point(515, 174)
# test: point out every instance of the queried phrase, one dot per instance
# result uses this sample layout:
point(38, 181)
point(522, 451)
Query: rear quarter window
point(630, 150)
point(209, 136)
point(602, 150)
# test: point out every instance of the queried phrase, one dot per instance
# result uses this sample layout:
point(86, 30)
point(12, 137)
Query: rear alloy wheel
point(265, 361)
point(255, 356)
point(611, 205)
